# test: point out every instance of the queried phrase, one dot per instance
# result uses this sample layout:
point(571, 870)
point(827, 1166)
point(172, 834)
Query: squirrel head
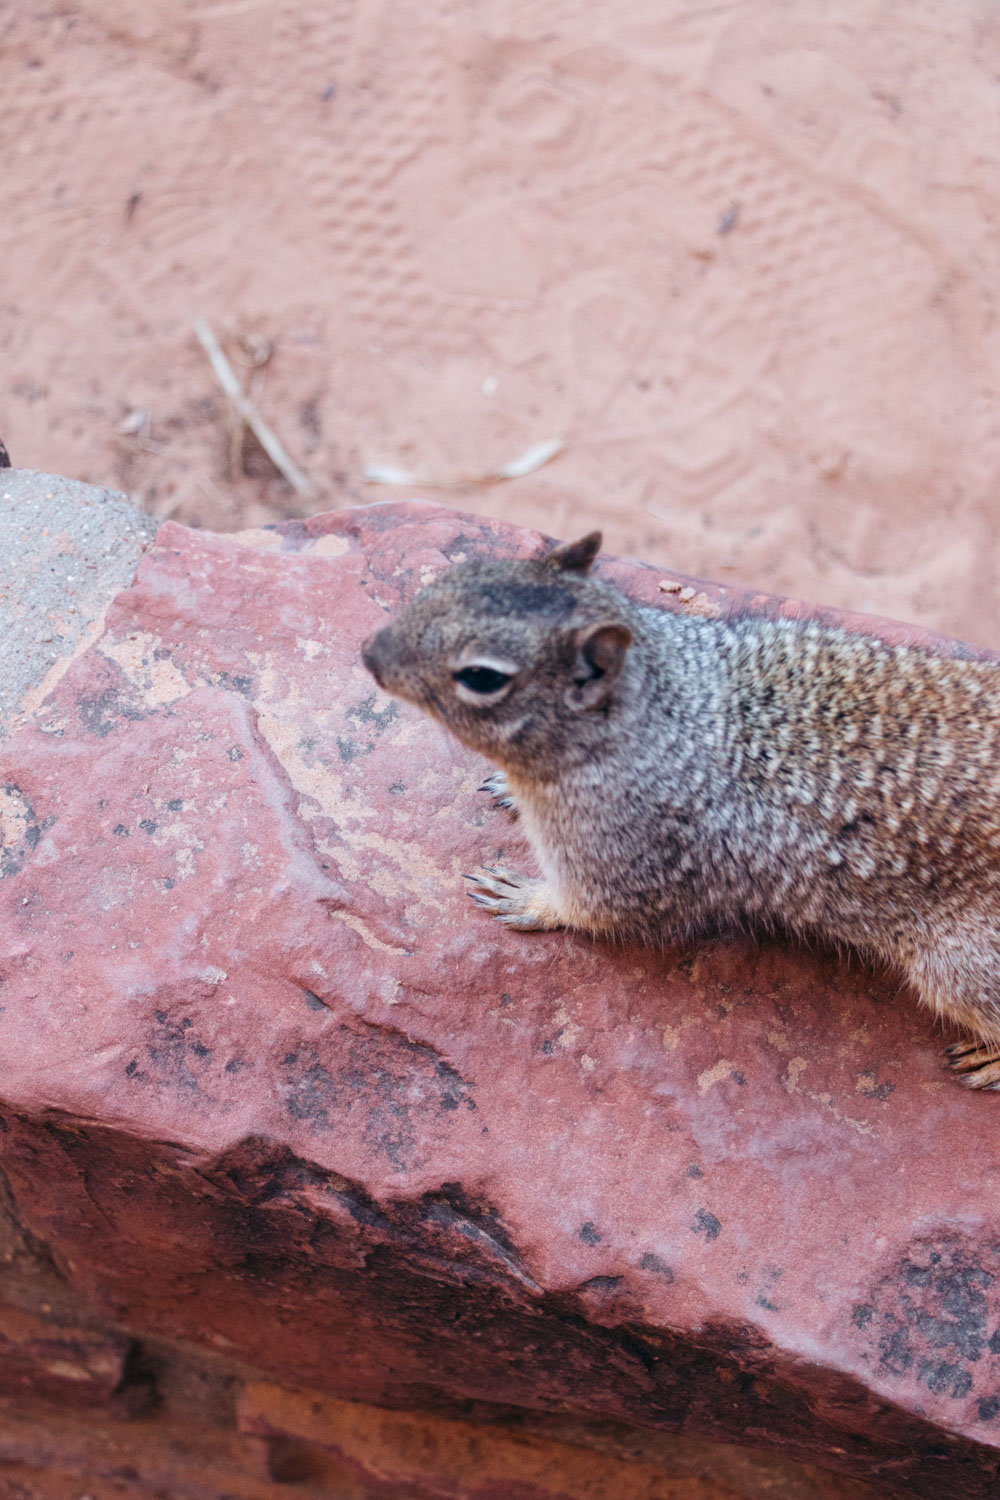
point(519, 659)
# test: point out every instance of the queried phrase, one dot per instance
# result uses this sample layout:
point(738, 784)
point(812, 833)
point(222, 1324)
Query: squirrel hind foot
point(516, 900)
point(978, 1063)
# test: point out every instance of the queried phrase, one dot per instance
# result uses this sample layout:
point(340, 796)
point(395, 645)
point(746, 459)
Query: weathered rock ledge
point(273, 1086)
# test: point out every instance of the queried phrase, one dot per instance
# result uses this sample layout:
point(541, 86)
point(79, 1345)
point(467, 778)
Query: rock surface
point(273, 1085)
point(66, 549)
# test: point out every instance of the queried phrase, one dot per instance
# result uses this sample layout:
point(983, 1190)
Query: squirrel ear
point(575, 557)
point(600, 656)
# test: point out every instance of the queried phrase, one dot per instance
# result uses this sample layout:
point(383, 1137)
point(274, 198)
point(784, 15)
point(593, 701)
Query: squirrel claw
point(496, 785)
point(977, 1062)
point(515, 900)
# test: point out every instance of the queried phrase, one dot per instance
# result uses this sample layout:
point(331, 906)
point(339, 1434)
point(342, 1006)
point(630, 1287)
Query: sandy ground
point(741, 258)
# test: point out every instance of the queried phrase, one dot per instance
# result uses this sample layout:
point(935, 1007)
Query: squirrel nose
point(373, 654)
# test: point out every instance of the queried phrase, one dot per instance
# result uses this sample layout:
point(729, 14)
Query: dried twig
point(247, 412)
point(526, 463)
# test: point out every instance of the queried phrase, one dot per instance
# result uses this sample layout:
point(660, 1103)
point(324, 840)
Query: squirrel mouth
point(371, 655)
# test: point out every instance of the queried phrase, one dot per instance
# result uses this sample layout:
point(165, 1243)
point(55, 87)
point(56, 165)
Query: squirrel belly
point(680, 774)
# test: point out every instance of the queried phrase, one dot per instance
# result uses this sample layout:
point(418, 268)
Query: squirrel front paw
point(978, 1062)
point(496, 785)
point(516, 900)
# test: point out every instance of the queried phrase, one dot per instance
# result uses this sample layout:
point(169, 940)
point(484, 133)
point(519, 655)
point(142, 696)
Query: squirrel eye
point(482, 679)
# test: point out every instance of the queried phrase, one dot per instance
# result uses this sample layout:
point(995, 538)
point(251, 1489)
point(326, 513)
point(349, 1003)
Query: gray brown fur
point(676, 774)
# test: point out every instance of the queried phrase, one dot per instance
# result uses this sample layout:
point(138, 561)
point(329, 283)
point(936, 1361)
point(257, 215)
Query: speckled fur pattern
point(726, 773)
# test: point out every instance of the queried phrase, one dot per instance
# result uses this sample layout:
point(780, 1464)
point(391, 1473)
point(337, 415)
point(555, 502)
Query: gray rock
point(66, 549)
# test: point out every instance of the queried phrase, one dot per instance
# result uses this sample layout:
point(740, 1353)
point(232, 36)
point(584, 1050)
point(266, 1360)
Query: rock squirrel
point(679, 774)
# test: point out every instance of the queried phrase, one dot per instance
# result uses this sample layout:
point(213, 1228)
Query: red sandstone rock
point(428, 1457)
point(272, 1083)
point(77, 1366)
point(63, 1455)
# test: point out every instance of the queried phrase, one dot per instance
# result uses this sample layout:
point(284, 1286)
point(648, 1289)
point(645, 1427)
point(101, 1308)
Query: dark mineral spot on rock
point(929, 1317)
point(548, 1047)
point(175, 804)
point(234, 753)
point(894, 1351)
point(311, 1096)
point(707, 1224)
point(102, 713)
point(652, 1262)
point(366, 713)
point(120, 831)
point(351, 750)
point(602, 1285)
point(589, 1234)
point(871, 1088)
point(17, 807)
point(468, 544)
point(989, 1408)
point(394, 1086)
point(233, 1065)
point(945, 1379)
point(313, 1001)
point(131, 1068)
point(171, 1051)
point(148, 826)
point(454, 1089)
point(396, 788)
point(694, 1170)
